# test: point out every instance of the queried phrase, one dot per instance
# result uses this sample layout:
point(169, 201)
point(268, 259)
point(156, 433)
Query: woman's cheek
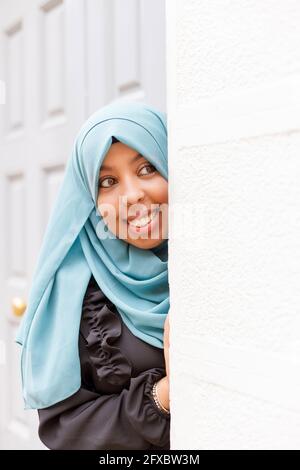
point(109, 212)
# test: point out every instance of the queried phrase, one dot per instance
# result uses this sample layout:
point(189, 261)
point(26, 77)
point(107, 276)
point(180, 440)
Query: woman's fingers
point(166, 332)
point(166, 345)
point(166, 353)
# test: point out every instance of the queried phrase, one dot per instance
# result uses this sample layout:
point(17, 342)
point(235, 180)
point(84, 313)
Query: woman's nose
point(133, 192)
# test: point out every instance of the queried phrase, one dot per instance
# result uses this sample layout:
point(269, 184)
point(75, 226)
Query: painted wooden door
point(60, 60)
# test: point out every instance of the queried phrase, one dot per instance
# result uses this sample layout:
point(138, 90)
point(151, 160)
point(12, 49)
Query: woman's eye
point(102, 181)
point(152, 168)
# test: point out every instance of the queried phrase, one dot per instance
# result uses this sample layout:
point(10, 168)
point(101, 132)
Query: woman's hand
point(166, 344)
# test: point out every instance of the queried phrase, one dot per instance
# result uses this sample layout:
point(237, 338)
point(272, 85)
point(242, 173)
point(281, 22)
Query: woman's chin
point(145, 244)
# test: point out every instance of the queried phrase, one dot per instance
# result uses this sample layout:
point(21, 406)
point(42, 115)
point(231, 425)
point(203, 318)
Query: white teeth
point(144, 220)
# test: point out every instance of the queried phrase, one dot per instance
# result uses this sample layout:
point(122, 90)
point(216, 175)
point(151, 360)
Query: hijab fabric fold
point(73, 248)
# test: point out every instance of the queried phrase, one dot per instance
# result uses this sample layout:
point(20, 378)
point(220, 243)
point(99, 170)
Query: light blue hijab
point(134, 279)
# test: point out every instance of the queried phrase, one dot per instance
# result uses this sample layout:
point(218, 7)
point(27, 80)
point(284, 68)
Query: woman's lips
point(149, 225)
point(140, 215)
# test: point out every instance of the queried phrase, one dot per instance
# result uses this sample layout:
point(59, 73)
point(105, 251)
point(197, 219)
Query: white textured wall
point(233, 80)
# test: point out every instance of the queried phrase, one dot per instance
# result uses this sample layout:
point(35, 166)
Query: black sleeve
point(126, 420)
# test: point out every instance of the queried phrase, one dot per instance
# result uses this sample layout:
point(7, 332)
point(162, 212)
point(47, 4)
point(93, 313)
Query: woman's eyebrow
point(136, 157)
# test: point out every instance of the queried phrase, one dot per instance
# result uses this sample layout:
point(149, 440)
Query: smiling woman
point(95, 333)
point(133, 197)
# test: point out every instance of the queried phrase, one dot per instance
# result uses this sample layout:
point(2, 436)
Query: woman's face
point(129, 188)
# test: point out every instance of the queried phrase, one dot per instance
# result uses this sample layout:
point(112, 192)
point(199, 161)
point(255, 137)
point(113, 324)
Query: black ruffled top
point(114, 408)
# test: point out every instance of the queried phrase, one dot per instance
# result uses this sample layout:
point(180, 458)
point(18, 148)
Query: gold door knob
point(18, 306)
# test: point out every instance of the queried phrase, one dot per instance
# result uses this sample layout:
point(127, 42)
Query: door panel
point(45, 106)
point(60, 60)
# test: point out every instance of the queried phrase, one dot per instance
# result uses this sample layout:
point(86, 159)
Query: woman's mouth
point(143, 223)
